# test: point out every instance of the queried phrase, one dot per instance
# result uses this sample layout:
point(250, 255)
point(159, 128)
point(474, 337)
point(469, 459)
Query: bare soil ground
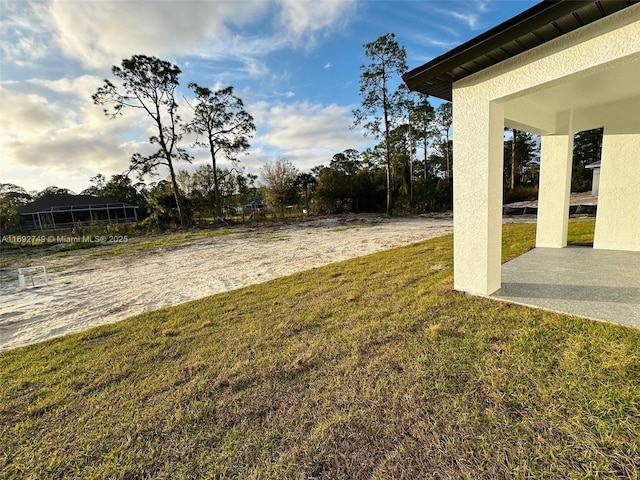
point(85, 291)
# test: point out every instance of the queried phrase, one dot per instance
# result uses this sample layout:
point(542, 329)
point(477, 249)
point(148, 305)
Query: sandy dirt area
point(84, 292)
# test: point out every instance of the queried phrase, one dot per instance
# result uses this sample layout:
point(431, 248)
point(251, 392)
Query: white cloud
point(46, 142)
point(327, 65)
point(102, 33)
point(308, 134)
point(255, 68)
point(469, 18)
point(435, 41)
point(467, 13)
point(69, 138)
point(50, 128)
point(23, 37)
point(82, 87)
point(306, 20)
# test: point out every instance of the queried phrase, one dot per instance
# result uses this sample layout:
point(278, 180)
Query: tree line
point(408, 170)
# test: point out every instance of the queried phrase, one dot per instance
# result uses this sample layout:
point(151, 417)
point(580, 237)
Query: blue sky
point(295, 64)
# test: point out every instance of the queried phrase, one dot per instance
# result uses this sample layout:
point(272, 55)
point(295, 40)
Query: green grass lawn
point(369, 368)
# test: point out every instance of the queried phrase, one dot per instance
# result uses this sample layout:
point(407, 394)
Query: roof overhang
point(539, 24)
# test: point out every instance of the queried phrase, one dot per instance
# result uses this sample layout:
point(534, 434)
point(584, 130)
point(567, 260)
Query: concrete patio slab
point(596, 284)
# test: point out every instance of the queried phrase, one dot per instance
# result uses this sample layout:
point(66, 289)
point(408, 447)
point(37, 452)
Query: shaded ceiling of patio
point(609, 94)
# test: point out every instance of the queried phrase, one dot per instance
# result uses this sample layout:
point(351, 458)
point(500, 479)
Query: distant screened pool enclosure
point(64, 212)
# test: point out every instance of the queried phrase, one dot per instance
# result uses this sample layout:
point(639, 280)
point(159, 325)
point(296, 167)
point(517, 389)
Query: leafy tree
point(520, 157)
point(332, 191)
point(202, 191)
point(120, 188)
point(202, 179)
point(370, 190)
point(347, 164)
point(443, 122)
point(247, 187)
point(421, 118)
point(223, 126)
point(234, 188)
point(280, 178)
point(337, 187)
point(185, 183)
point(373, 158)
point(229, 185)
point(99, 181)
point(404, 143)
point(11, 198)
point(162, 205)
point(378, 110)
point(306, 184)
point(402, 148)
point(444, 194)
point(53, 190)
point(149, 84)
point(587, 148)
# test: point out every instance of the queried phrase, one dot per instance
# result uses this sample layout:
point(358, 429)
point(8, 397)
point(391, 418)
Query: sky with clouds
point(294, 63)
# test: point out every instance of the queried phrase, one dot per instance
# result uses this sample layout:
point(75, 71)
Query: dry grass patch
point(370, 368)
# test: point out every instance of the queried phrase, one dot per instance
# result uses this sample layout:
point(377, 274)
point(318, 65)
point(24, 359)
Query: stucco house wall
point(585, 79)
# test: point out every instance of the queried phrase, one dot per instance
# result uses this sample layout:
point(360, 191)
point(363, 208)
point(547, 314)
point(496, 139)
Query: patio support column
point(618, 214)
point(478, 135)
point(554, 191)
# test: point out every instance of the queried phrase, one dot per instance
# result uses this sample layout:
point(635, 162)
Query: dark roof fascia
point(531, 19)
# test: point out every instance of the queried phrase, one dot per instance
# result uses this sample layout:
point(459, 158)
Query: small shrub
point(521, 193)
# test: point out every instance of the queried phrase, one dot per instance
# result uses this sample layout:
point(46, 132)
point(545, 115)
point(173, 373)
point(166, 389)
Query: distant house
point(595, 182)
point(256, 203)
point(58, 212)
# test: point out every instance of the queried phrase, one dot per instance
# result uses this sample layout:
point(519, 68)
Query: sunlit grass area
point(369, 368)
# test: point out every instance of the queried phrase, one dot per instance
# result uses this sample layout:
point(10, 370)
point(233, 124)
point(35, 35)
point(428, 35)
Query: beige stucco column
point(618, 215)
point(554, 191)
point(587, 69)
point(478, 129)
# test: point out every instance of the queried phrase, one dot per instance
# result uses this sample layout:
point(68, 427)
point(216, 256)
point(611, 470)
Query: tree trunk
point(388, 157)
point(216, 192)
point(217, 208)
point(176, 192)
point(410, 182)
point(410, 163)
point(448, 156)
point(167, 149)
point(514, 163)
point(389, 196)
point(426, 177)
